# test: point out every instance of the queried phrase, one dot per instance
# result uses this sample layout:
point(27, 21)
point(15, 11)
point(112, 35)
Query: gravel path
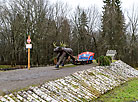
point(21, 78)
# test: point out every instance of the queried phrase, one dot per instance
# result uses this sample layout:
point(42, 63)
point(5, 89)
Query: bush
point(104, 60)
point(110, 58)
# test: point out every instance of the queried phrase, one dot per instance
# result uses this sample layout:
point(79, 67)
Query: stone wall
point(81, 86)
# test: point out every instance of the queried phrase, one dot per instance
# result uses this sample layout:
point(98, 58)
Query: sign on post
point(29, 46)
point(28, 40)
point(111, 53)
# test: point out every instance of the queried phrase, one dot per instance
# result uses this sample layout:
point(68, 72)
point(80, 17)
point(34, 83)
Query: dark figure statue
point(63, 54)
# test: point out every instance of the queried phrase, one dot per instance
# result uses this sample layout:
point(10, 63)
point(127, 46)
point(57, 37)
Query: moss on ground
point(103, 75)
point(91, 74)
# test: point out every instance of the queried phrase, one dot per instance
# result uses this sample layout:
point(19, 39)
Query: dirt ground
point(22, 78)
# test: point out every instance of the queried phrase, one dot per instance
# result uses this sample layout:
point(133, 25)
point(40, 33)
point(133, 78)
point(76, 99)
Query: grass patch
point(94, 61)
point(67, 66)
point(114, 61)
point(5, 66)
point(128, 92)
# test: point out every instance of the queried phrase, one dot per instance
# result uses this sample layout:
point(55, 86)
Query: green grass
point(67, 66)
point(94, 61)
point(127, 92)
point(9, 66)
point(114, 61)
point(5, 66)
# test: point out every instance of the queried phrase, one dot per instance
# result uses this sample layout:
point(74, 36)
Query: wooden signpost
point(28, 46)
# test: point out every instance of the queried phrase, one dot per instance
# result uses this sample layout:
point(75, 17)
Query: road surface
point(22, 78)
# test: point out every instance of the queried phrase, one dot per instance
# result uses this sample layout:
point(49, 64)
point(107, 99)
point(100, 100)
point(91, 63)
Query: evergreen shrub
point(104, 60)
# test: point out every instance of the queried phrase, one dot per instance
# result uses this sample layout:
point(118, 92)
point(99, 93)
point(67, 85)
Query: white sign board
point(28, 46)
point(111, 53)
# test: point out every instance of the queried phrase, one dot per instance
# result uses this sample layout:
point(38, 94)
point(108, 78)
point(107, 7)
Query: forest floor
point(15, 80)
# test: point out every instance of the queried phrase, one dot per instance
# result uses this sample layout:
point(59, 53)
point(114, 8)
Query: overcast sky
point(126, 4)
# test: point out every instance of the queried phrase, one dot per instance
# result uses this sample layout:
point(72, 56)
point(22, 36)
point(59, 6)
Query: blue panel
point(91, 58)
point(84, 56)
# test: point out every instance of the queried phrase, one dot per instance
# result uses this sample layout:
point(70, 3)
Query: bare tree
point(94, 25)
point(133, 33)
point(133, 22)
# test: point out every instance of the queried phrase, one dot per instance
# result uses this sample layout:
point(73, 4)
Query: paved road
point(21, 78)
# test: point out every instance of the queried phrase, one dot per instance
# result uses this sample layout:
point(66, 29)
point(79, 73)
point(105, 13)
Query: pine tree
point(83, 31)
point(80, 38)
point(113, 27)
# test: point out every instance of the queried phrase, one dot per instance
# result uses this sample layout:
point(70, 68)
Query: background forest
point(81, 29)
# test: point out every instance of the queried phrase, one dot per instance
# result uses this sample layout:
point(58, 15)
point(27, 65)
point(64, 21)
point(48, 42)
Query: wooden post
point(28, 54)
point(29, 58)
